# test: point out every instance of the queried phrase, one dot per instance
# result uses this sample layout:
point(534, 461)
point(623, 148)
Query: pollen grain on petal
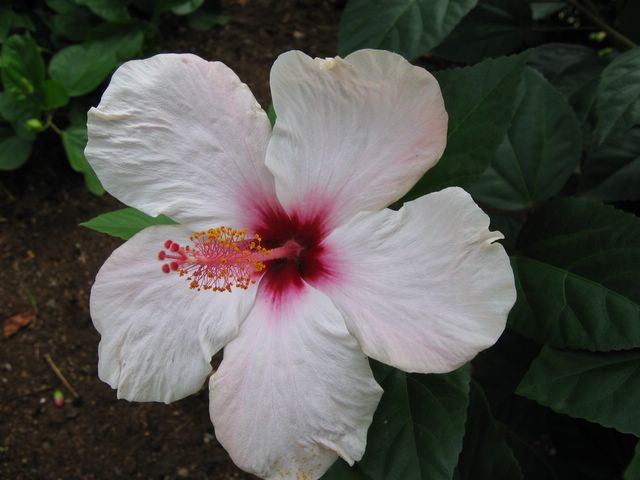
point(219, 260)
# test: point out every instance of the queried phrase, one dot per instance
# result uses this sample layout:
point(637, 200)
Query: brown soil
point(47, 259)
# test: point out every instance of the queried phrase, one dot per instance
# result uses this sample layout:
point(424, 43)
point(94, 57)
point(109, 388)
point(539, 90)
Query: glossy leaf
point(407, 27)
point(485, 453)
point(540, 151)
point(618, 97)
point(480, 101)
point(491, 29)
point(22, 67)
point(577, 270)
point(125, 223)
point(74, 140)
point(418, 428)
point(600, 387)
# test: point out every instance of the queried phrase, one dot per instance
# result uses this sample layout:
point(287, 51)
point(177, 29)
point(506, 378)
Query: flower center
point(222, 258)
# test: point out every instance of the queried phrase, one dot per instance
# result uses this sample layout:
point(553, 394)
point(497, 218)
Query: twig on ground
point(59, 374)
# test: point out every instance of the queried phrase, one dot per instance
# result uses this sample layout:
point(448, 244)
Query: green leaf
point(187, 7)
point(491, 29)
point(633, 470)
point(485, 453)
point(271, 113)
point(480, 101)
point(204, 21)
point(408, 27)
point(82, 68)
point(618, 97)
point(599, 387)
point(125, 223)
point(14, 151)
point(552, 59)
point(18, 112)
point(612, 171)
point(55, 96)
point(74, 140)
point(22, 67)
point(577, 271)
point(540, 151)
point(342, 471)
point(541, 10)
point(418, 428)
point(110, 10)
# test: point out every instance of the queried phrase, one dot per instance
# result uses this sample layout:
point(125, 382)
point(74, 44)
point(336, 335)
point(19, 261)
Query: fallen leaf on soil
point(17, 322)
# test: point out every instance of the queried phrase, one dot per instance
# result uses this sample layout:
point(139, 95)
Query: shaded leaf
point(611, 171)
point(407, 27)
point(125, 223)
point(342, 471)
point(14, 151)
point(55, 96)
point(618, 96)
point(111, 10)
point(485, 453)
point(540, 151)
point(491, 29)
point(418, 428)
point(74, 140)
point(577, 271)
point(22, 67)
point(15, 323)
point(600, 387)
point(633, 470)
point(552, 59)
point(480, 101)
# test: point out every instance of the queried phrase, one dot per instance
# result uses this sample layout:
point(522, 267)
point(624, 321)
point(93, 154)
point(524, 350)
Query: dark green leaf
point(187, 7)
point(491, 29)
point(341, 471)
point(485, 454)
point(618, 97)
point(14, 151)
point(418, 428)
point(633, 470)
point(22, 67)
point(577, 273)
point(74, 140)
point(271, 113)
point(480, 101)
point(18, 112)
point(55, 96)
point(408, 27)
point(552, 59)
point(612, 171)
point(545, 9)
point(206, 21)
point(540, 151)
point(125, 223)
point(599, 387)
point(111, 10)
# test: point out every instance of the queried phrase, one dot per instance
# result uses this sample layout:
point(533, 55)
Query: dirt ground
point(47, 260)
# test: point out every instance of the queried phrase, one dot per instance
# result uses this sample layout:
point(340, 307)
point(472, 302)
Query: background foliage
point(544, 106)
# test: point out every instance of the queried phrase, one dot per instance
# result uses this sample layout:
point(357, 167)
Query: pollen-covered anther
point(220, 259)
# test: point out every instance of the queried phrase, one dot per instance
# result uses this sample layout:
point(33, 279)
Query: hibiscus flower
point(285, 254)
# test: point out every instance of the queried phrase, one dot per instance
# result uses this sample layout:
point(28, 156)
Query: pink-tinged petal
point(424, 288)
point(158, 336)
point(180, 136)
point(352, 134)
point(294, 390)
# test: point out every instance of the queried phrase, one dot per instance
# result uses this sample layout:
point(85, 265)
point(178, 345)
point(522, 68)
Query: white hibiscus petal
point(158, 336)
point(352, 134)
point(425, 288)
point(177, 135)
point(294, 390)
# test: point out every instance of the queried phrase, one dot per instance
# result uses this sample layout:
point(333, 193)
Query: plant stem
point(600, 22)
